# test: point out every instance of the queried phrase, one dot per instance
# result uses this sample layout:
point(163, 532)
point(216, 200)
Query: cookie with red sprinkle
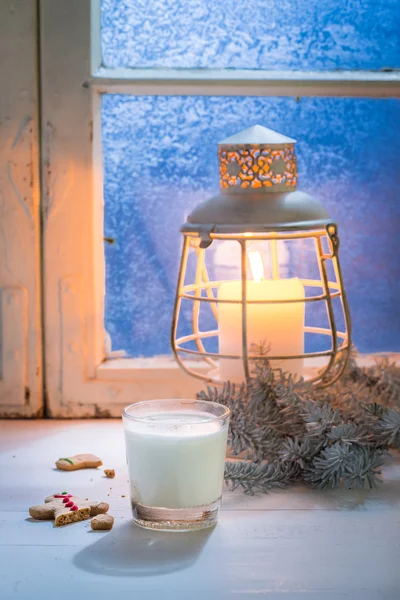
point(65, 508)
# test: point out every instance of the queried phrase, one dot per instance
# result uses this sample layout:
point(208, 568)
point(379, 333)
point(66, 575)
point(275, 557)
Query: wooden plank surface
point(295, 544)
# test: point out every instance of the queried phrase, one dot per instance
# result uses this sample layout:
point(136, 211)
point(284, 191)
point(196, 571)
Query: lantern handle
point(206, 239)
point(332, 234)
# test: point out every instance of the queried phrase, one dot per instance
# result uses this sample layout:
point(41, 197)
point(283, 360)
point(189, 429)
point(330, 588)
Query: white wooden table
point(294, 544)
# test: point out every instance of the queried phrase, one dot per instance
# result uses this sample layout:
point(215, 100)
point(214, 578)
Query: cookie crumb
point(110, 473)
point(102, 523)
point(123, 496)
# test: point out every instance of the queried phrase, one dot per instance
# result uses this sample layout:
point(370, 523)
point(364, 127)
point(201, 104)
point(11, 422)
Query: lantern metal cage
point(259, 204)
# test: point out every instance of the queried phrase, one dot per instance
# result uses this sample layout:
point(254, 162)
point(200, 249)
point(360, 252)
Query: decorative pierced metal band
point(258, 168)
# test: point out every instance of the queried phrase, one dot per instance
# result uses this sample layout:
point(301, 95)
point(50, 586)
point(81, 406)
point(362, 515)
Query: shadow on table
point(131, 551)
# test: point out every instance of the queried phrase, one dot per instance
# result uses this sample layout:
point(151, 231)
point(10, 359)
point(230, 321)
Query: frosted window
point(160, 159)
point(249, 34)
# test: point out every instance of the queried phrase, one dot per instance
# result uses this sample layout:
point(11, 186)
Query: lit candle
point(280, 325)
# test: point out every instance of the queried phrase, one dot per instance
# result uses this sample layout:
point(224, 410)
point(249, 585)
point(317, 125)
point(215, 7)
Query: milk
point(176, 460)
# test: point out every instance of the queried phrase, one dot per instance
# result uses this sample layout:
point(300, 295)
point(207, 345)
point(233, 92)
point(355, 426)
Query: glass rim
point(213, 418)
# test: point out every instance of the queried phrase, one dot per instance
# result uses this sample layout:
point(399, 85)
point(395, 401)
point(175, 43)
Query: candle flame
point(256, 265)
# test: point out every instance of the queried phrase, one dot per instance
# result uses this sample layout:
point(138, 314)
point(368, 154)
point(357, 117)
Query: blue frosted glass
point(160, 159)
point(262, 34)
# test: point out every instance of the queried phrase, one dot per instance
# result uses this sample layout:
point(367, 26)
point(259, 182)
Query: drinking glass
point(175, 452)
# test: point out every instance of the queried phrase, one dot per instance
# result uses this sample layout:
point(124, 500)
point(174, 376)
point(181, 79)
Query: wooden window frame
point(21, 390)
point(83, 378)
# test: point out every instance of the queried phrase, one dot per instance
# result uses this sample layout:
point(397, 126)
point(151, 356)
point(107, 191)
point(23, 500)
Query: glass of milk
point(175, 452)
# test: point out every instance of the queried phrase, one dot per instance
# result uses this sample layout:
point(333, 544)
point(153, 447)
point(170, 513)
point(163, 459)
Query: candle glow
point(256, 265)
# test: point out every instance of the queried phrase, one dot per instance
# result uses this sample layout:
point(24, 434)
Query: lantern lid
point(257, 135)
point(257, 212)
point(258, 180)
point(257, 159)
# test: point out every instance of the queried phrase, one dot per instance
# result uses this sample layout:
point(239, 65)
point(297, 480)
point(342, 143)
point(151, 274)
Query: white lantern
point(272, 252)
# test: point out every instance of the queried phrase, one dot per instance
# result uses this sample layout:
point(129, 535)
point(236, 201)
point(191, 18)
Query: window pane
point(267, 34)
point(160, 159)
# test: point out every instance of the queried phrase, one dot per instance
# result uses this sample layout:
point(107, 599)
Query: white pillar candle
point(176, 460)
point(280, 325)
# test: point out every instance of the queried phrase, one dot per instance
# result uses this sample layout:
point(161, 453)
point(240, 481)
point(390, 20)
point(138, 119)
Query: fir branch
point(250, 430)
point(383, 382)
point(300, 452)
point(363, 468)
point(252, 477)
point(327, 469)
point(352, 466)
point(388, 428)
point(320, 418)
point(327, 437)
point(277, 401)
point(373, 409)
point(350, 433)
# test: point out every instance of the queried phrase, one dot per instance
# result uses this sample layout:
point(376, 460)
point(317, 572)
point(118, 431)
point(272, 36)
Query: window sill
point(156, 368)
point(164, 367)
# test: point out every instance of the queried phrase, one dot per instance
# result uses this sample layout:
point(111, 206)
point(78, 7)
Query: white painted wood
point(73, 232)
point(14, 334)
point(108, 392)
point(73, 236)
point(295, 544)
point(31, 449)
point(160, 367)
point(95, 35)
point(20, 320)
point(237, 82)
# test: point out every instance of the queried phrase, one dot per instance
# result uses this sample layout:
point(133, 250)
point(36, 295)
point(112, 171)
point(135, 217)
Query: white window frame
point(20, 285)
point(83, 378)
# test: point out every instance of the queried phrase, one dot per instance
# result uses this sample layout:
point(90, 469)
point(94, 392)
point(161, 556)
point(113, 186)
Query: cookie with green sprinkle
point(79, 461)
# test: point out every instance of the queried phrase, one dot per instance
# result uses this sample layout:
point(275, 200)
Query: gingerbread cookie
point(65, 508)
point(102, 522)
point(79, 461)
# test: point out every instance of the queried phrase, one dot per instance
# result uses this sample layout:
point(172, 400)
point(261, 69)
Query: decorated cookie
point(102, 522)
point(79, 461)
point(65, 508)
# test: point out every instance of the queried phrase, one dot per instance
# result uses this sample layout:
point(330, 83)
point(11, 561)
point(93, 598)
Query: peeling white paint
point(20, 326)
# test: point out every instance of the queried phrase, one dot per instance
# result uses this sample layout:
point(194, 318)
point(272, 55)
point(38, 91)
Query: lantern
point(260, 272)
